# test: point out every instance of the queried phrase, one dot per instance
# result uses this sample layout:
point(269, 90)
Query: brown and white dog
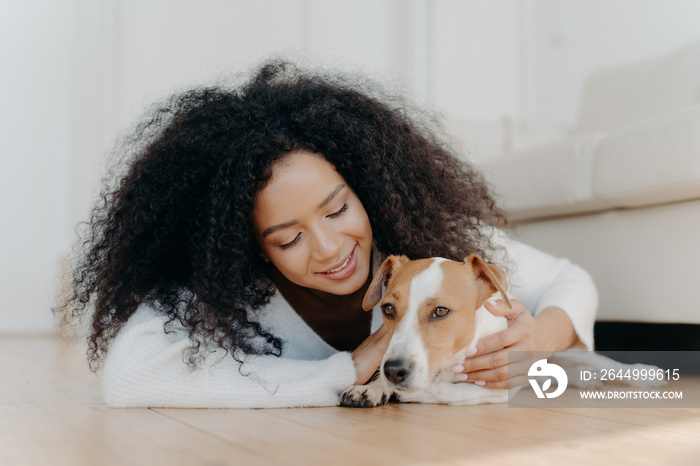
point(434, 315)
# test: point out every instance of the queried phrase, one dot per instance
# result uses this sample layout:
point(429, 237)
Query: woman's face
point(312, 226)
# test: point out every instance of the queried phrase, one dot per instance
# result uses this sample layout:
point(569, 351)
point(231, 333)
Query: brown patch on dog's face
point(398, 292)
point(458, 297)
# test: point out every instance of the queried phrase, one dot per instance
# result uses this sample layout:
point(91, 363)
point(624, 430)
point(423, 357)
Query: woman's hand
point(368, 356)
point(490, 366)
point(551, 330)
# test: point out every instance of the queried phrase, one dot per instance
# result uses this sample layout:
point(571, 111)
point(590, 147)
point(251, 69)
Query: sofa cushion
point(545, 180)
point(615, 96)
point(653, 161)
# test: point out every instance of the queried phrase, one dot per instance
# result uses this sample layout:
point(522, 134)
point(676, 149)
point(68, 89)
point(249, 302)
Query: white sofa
point(620, 195)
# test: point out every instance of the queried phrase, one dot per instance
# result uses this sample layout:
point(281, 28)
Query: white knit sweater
point(144, 366)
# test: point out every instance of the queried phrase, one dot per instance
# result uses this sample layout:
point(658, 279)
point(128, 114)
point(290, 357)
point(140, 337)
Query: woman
point(227, 267)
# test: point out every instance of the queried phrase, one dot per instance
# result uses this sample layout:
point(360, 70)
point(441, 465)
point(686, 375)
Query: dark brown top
point(339, 320)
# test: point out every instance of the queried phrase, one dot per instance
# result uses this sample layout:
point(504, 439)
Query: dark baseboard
point(634, 336)
point(668, 346)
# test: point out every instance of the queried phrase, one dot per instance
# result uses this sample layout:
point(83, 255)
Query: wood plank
point(151, 438)
point(481, 430)
point(280, 440)
point(30, 435)
point(51, 412)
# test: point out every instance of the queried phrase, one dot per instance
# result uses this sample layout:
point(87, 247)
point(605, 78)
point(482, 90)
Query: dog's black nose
point(397, 370)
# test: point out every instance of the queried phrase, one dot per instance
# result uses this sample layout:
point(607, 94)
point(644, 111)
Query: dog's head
point(429, 312)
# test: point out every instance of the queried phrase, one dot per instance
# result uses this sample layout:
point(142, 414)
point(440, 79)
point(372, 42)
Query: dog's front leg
point(373, 393)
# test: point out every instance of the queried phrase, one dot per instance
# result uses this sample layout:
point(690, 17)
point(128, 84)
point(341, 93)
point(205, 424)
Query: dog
point(434, 313)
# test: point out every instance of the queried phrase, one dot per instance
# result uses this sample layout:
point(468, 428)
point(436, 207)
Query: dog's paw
point(363, 396)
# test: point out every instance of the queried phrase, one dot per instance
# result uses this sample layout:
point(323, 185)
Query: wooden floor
point(51, 413)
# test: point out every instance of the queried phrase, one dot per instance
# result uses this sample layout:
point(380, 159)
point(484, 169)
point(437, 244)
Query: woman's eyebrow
point(330, 197)
point(281, 226)
point(268, 231)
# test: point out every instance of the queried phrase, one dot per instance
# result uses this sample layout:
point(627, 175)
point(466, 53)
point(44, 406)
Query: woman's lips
point(345, 269)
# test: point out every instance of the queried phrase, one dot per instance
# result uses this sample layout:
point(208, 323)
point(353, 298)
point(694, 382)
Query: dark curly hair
point(175, 229)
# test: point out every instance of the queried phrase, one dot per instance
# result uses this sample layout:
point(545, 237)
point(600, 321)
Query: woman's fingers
point(498, 340)
point(499, 307)
point(521, 326)
point(505, 384)
point(507, 375)
point(485, 361)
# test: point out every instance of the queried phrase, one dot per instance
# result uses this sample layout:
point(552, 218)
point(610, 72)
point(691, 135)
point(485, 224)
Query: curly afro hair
point(175, 229)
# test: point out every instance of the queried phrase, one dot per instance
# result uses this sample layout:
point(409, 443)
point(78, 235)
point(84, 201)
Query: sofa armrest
point(622, 94)
point(653, 161)
point(547, 179)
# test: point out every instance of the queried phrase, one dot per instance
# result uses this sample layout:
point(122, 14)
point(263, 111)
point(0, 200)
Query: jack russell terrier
point(434, 314)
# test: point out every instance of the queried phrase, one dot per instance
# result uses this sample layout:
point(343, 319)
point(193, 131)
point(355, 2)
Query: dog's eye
point(440, 312)
point(389, 311)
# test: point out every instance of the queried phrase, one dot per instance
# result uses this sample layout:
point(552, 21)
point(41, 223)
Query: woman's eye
point(340, 212)
point(440, 312)
point(291, 243)
point(389, 311)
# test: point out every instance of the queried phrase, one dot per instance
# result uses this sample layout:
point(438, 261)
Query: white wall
point(567, 39)
point(474, 57)
point(36, 82)
point(76, 73)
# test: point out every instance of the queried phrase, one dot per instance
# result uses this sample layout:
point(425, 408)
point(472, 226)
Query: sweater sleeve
point(540, 280)
point(144, 368)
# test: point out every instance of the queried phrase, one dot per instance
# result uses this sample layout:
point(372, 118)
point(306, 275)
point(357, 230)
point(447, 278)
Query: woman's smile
point(345, 269)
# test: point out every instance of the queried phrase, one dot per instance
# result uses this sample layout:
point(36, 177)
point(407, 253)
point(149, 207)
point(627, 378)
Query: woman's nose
point(328, 243)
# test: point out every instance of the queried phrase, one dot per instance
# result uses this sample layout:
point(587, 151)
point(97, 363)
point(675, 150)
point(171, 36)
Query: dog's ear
point(381, 278)
point(489, 279)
